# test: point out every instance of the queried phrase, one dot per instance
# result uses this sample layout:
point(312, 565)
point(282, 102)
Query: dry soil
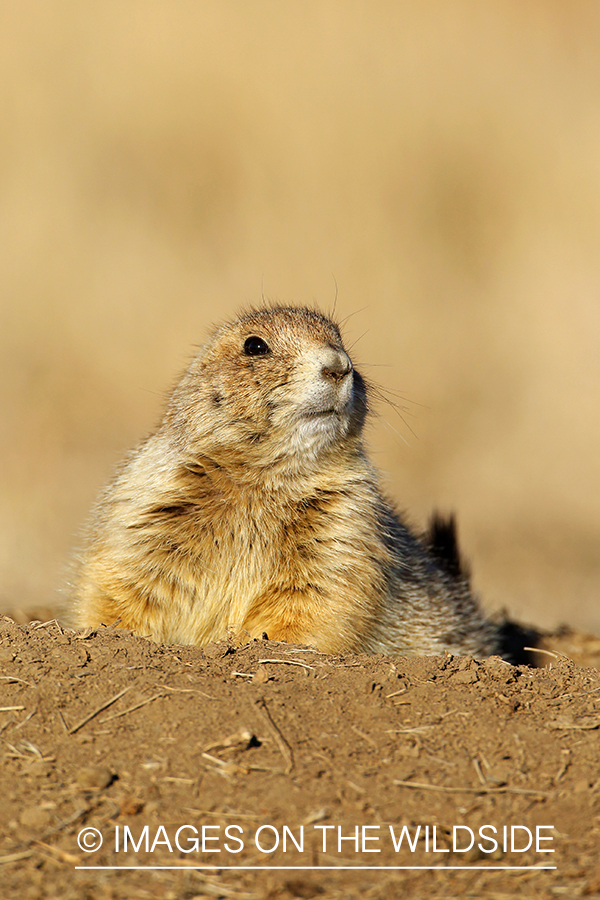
point(277, 756)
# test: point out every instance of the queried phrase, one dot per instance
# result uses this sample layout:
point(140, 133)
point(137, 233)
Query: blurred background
point(434, 165)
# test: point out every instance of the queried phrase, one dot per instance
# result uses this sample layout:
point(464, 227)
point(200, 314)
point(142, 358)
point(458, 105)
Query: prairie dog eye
point(255, 346)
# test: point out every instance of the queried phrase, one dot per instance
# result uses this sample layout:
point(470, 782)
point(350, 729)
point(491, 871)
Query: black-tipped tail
point(442, 542)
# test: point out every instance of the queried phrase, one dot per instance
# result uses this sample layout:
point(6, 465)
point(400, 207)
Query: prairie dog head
point(272, 386)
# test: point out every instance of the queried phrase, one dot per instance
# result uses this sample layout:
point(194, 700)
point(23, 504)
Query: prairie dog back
point(253, 508)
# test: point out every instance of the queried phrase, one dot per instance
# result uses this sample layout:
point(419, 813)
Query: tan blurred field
point(164, 163)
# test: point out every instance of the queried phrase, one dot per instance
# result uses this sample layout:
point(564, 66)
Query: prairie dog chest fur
point(253, 507)
point(291, 571)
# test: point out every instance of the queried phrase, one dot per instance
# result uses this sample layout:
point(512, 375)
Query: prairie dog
point(253, 508)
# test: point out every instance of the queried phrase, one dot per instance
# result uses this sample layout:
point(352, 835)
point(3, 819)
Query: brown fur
point(253, 508)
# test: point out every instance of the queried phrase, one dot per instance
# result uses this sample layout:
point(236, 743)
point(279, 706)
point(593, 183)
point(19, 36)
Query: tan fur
point(253, 508)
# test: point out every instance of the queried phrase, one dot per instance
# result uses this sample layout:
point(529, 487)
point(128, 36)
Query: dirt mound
point(274, 756)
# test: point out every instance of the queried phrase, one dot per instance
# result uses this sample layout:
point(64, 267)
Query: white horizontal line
point(325, 868)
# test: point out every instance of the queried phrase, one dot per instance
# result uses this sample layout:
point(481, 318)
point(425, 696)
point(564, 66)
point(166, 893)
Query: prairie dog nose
point(335, 364)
